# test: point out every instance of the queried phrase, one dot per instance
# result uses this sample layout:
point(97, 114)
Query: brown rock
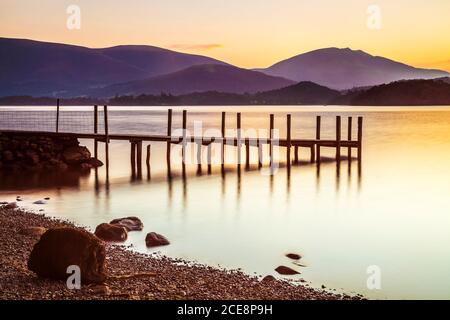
point(33, 231)
point(268, 278)
point(101, 289)
point(11, 205)
point(154, 239)
point(60, 248)
point(32, 157)
point(111, 232)
point(95, 163)
point(286, 271)
point(294, 256)
point(129, 223)
point(76, 155)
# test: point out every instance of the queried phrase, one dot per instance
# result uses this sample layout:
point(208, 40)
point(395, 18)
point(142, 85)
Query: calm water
point(394, 213)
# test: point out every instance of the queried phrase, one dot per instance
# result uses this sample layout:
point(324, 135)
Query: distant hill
point(41, 68)
point(200, 78)
point(345, 69)
point(300, 93)
point(402, 93)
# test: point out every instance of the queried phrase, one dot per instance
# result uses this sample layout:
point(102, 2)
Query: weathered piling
point(288, 140)
point(349, 138)
point(318, 129)
point(338, 138)
point(223, 138)
point(183, 154)
point(57, 115)
point(95, 131)
point(105, 117)
point(239, 137)
point(360, 124)
point(271, 127)
point(169, 134)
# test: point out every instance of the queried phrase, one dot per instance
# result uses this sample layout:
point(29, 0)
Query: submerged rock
point(76, 155)
point(154, 239)
point(111, 232)
point(286, 271)
point(129, 223)
point(60, 248)
point(294, 256)
point(40, 202)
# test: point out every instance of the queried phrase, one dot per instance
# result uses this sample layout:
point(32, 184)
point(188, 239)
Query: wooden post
point(271, 125)
point(105, 115)
point(132, 153)
point(247, 153)
point(96, 131)
point(57, 115)
point(223, 137)
point(338, 138)
point(360, 124)
point(318, 124)
point(209, 157)
point(147, 160)
point(260, 154)
point(296, 154)
point(139, 158)
point(169, 134)
point(199, 152)
point(349, 138)
point(184, 136)
point(288, 140)
point(238, 142)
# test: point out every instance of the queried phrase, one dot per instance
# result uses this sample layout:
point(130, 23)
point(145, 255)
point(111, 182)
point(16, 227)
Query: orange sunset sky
point(246, 33)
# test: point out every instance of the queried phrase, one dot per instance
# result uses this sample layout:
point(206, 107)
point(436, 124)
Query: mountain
point(200, 78)
point(345, 68)
point(403, 93)
point(41, 68)
point(301, 93)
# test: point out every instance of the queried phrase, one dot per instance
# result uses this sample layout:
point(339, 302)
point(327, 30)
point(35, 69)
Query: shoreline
point(175, 279)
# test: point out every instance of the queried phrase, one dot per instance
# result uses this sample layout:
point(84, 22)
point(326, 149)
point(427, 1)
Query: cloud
point(199, 47)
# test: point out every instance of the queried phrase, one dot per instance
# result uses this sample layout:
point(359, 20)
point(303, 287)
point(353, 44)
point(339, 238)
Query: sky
point(246, 33)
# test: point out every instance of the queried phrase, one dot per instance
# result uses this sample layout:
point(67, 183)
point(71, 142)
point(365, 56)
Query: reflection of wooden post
point(57, 115)
point(209, 157)
point(223, 138)
point(318, 122)
point(184, 136)
point(360, 124)
point(349, 138)
point(199, 153)
point(96, 131)
point(338, 138)
point(169, 133)
point(239, 143)
point(288, 140)
point(270, 138)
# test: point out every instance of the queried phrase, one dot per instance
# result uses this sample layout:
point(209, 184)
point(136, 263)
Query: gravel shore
point(174, 279)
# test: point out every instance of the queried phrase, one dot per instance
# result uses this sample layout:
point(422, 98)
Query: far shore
point(175, 279)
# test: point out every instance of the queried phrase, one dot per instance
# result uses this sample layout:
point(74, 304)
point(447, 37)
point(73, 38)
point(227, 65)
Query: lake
point(392, 213)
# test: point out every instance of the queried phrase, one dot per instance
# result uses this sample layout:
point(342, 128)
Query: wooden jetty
point(136, 140)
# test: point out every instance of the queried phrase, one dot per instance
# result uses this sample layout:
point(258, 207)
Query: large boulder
point(76, 155)
point(154, 239)
point(111, 232)
point(129, 223)
point(60, 248)
point(286, 271)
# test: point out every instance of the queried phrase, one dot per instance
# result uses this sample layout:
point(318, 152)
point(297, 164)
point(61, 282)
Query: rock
point(111, 232)
point(294, 256)
point(154, 239)
point(3, 203)
point(40, 202)
point(33, 231)
point(76, 155)
point(95, 163)
point(60, 248)
point(101, 289)
point(85, 166)
point(286, 271)
point(268, 279)
point(32, 157)
point(11, 205)
point(129, 223)
point(47, 198)
point(8, 156)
